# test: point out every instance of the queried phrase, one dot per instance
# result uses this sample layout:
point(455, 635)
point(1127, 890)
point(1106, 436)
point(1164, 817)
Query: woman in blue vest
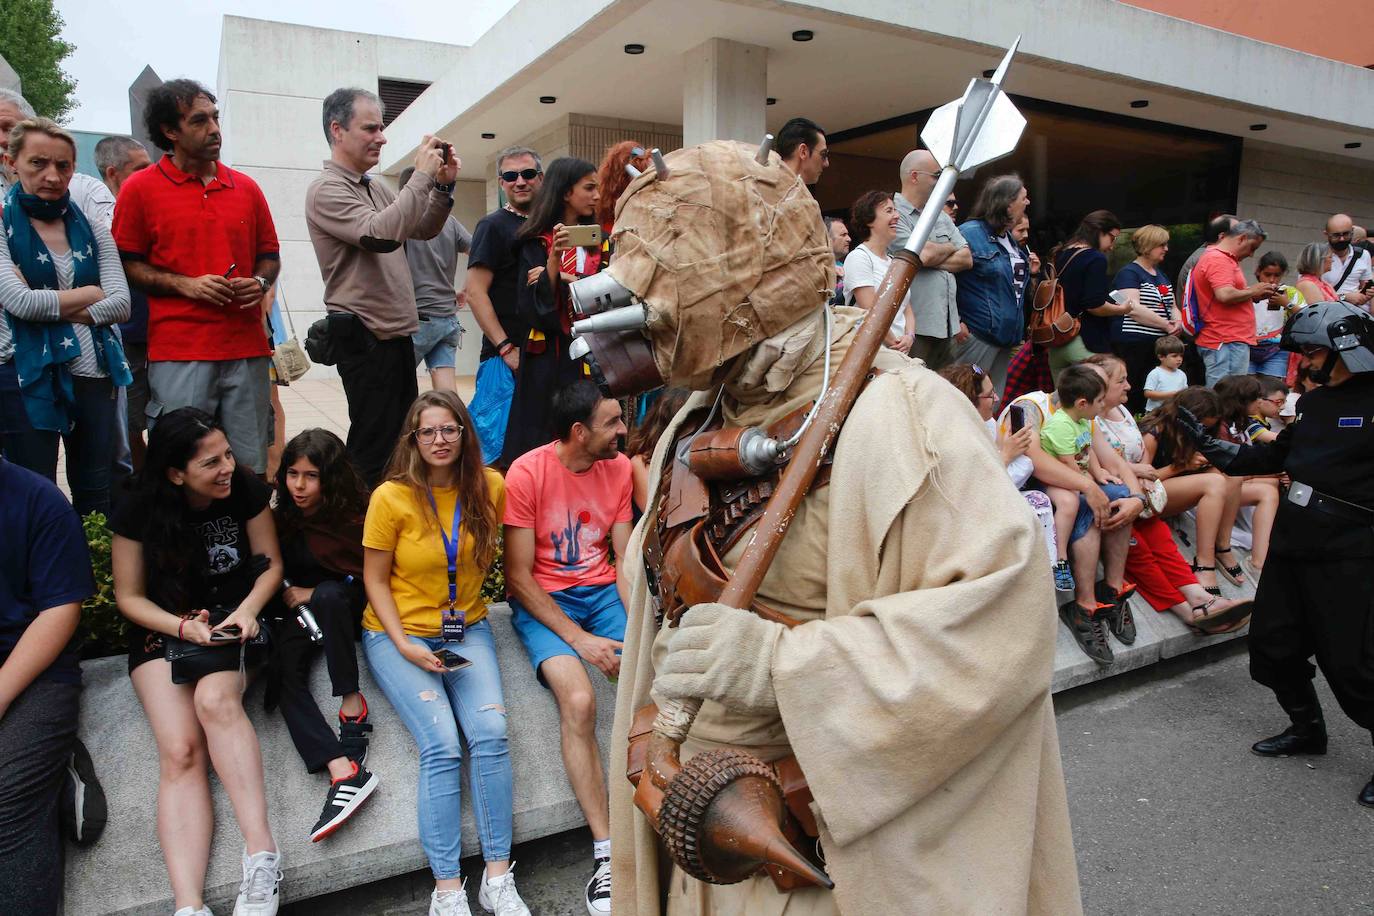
point(991, 294)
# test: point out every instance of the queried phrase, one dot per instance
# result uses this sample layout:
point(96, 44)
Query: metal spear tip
point(1006, 62)
point(660, 166)
point(766, 147)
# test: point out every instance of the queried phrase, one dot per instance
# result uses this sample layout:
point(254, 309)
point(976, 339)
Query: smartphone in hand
point(451, 661)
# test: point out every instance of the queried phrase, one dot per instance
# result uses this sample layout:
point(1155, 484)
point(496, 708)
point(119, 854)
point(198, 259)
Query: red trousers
point(1155, 565)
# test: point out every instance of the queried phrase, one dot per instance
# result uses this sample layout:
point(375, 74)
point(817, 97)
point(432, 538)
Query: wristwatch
point(445, 188)
point(265, 283)
point(1144, 500)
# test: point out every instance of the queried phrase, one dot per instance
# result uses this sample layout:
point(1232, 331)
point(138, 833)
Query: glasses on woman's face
point(426, 435)
point(988, 396)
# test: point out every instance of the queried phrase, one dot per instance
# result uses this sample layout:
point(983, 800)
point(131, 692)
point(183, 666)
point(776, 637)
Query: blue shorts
point(1269, 360)
point(436, 343)
point(594, 608)
point(1084, 522)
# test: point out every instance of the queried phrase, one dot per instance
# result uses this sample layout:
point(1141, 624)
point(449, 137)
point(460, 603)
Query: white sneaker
point(449, 903)
point(258, 890)
point(188, 911)
point(498, 895)
point(599, 889)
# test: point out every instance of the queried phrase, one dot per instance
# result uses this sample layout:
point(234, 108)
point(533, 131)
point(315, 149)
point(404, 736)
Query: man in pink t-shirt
point(567, 505)
point(1224, 301)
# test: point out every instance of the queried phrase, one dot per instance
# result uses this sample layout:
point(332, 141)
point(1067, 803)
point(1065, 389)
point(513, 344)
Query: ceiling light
point(1259, 126)
point(803, 35)
point(634, 49)
point(1140, 103)
point(488, 136)
point(547, 99)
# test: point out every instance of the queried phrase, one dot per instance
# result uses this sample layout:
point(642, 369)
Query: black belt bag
point(1300, 494)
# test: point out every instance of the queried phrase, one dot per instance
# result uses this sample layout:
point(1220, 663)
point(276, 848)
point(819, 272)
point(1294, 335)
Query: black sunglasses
point(527, 174)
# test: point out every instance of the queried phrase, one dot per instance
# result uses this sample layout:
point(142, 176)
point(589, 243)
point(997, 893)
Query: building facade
point(1164, 112)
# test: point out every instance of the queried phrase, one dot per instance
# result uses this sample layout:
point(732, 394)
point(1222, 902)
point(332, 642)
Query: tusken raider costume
point(893, 678)
point(1316, 597)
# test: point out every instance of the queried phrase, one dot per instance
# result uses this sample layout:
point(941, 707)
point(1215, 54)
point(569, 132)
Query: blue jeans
point(1268, 359)
point(1228, 359)
point(90, 446)
point(434, 707)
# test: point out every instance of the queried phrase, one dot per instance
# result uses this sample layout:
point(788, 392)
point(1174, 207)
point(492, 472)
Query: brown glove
point(724, 654)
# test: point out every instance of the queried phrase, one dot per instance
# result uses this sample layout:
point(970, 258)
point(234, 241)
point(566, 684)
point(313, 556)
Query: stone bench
point(124, 872)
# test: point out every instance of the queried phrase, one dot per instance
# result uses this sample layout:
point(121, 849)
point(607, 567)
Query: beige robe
point(916, 698)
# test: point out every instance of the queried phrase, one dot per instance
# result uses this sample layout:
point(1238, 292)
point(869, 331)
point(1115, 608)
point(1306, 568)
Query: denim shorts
point(594, 608)
point(1084, 522)
point(436, 343)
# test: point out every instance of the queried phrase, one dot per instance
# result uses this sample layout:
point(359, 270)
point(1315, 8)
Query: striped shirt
point(41, 305)
point(1155, 295)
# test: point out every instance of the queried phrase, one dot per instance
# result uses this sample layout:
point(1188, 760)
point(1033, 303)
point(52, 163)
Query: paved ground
point(1172, 813)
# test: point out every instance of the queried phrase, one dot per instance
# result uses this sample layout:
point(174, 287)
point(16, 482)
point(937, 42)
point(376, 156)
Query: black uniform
point(1316, 596)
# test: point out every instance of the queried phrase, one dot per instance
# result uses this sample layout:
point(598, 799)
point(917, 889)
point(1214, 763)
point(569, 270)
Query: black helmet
point(1340, 327)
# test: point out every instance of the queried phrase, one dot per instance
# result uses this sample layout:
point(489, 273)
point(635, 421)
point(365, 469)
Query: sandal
point(1232, 618)
point(1233, 573)
point(1209, 589)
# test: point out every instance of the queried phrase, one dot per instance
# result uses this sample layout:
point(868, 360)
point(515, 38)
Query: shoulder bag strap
point(1355, 255)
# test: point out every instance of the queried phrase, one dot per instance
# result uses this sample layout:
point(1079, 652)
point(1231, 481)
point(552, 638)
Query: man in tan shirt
point(358, 228)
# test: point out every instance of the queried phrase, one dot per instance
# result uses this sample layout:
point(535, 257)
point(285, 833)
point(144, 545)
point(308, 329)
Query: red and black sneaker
point(1118, 610)
point(353, 734)
point(345, 797)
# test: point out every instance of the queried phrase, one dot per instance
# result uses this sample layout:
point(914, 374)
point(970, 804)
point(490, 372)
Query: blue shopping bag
point(490, 407)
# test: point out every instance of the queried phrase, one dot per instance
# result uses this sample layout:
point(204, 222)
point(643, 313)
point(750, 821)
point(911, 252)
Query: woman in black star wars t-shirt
point(187, 539)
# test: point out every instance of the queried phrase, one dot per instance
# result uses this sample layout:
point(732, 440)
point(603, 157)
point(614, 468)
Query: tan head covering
point(725, 253)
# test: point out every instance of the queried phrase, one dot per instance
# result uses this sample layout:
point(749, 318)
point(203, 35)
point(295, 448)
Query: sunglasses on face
point(527, 174)
point(426, 435)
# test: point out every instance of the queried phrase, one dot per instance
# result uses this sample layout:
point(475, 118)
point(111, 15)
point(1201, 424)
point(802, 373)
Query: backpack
point(1190, 313)
point(1050, 323)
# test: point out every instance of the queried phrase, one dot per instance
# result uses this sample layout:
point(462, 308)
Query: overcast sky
point(116, 40)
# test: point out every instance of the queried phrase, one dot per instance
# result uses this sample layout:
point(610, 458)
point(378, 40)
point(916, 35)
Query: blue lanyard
point(450, 546)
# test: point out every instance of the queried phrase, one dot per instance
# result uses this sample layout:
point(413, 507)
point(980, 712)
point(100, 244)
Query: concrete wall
point(1292, 192)
point(272, 130)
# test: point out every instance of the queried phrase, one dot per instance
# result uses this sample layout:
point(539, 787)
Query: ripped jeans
point(434, 707)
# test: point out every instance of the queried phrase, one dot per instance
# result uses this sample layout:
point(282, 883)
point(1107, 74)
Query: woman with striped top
point(62, 289)
point(1153, 313)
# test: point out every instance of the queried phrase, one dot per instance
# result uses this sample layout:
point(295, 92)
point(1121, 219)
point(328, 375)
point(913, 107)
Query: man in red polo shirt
point(197, 237)
point(1224, 300)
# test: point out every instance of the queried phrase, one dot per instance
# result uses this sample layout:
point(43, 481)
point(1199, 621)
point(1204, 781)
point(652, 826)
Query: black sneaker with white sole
point(345, 797)
point(82, 803)
point(599, 889)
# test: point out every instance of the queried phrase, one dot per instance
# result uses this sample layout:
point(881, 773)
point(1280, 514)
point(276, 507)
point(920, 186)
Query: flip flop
point(1232, 618)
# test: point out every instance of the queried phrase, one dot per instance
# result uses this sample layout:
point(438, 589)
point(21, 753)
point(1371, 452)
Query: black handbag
point(191, 661)
point(320, 345)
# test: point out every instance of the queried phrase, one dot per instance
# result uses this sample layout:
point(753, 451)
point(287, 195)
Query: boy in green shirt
point(1068, 436)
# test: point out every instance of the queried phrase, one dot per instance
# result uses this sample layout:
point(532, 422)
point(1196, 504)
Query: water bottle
point(305, 617)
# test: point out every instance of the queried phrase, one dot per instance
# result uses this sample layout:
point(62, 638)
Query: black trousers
point(336, 607)
point(1139, 357)
point(379, 381)
point(1323, 608)
point(36, 738)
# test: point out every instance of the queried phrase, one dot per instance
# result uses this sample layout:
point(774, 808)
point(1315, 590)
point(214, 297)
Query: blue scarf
point(43, 350)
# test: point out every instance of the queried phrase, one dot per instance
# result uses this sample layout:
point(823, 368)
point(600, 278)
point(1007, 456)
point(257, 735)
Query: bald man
point(1352, 273)
point(938, 330)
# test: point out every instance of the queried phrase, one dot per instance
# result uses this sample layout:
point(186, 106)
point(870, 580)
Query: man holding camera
point(358, 228)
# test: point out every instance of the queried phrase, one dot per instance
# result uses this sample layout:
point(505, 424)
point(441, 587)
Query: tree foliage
point(31, 40)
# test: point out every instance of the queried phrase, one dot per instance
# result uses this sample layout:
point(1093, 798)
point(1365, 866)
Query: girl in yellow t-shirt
point(430, 537)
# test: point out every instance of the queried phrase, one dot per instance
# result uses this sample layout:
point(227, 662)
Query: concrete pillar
point(724, 91)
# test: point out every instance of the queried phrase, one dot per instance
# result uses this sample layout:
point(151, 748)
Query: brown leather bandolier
point(698, 522)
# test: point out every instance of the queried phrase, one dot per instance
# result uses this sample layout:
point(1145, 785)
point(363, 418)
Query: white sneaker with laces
point(258, 890)
point(188, 911)
point(599, 889)
point(449, 903)
point(498, 895)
